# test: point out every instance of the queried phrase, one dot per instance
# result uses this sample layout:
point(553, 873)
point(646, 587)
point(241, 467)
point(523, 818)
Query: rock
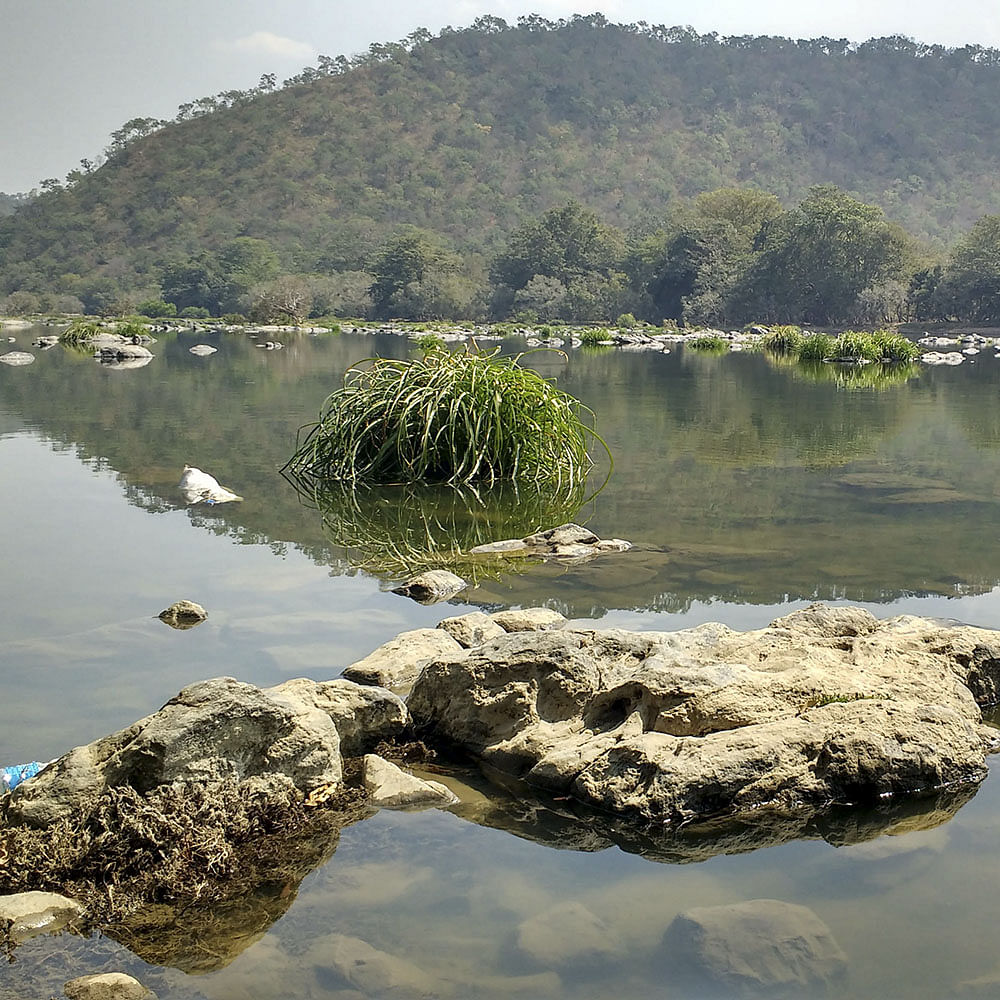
point(612, 545)
point(508, 545)
point(45, 343)
point(200, 487)
point(215, 730)
point(472, 629)
point(433, 586)
point(202, 350)
point(123, 350)
point(364, 715)
point(107, 986)
point(569, 938)
point(183, 615)
point(15, 358)
point(397, 663)
point(824, 705)
point(33, 913)
point(528, 619)
point(763, 947)
point(372, 972)
point(574, 550)
point(564, 534)
point(390, 787)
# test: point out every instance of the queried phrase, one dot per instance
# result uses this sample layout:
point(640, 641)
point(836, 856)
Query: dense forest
point(574, 170)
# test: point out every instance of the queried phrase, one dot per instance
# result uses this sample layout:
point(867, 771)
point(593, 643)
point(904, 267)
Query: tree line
point(727, 257)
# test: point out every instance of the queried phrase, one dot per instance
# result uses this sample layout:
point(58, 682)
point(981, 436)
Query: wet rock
point(433, 586)
point(15, 358)
point(568, 938)
point(202, 350)
point(215, 730)
point(396, 663)
point(528, 619)
point(508, 545)
point(763, 947)
point(826, 704)
point(32, 913)
point(107, 986)
point(123, 350)
point(45, 343)
point(564, 534)
point(363, 714)
point(183, 615)
point(390, 787)
point(472, 629)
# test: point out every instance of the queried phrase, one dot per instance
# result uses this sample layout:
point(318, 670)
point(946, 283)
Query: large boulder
point(215, 730)
point(396, 663)
point(824, 705)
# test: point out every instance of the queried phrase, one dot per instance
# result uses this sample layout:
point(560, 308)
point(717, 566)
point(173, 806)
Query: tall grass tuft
point(81, 332)
point(894, 348)
point(710, 343)
point(818, 347)
point(783, 340)
point(462, 417)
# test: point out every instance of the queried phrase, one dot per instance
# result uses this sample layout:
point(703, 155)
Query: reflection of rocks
point(431, 587)
point(183, 615)
point(762, 947)
point(826, 704)
point(569, 938)
point(27, 914)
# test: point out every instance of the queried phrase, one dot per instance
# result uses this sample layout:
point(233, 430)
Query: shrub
point(710, 343)
point(156, 308)
point(894, 348)
point(853, 345)
point(593, 338)
point(461, 417)
point(194, 312)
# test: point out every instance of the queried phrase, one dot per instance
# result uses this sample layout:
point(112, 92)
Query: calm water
point(748, 489)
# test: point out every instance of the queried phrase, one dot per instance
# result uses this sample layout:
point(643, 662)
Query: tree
point(409, 267)
point(969, 287)
point(817, 259)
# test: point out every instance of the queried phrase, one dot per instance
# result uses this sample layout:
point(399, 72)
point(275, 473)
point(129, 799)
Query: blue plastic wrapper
point(11, 777)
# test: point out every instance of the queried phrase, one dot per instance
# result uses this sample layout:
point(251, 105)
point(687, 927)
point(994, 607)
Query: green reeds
point(709, 343)
point(448, 417)
point(818, 347)
point(784, 340)
point(81, 332)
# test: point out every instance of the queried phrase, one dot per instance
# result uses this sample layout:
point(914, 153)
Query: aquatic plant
point(894, 348)
point(853, 345)
point(817, 347)
point(80, 332)
point(448, 417)
point(592, 337)
point(709, 343)
point(428, 341)
point(783, 339)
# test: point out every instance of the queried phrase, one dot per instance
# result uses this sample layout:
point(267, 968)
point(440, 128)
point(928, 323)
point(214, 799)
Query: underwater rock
point(202, 350)
point(183, 615)
point(824, 705)
point(569, 938)
point(31, 913)
point(762, 947)
point(430, 587)
point(390, 787)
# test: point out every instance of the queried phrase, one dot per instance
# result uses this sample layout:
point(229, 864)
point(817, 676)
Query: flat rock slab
point(396, 663)
point(824, 705)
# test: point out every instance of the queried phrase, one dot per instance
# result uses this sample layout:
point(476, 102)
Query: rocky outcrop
point(212, 731)
point(763, 947)
point(566, 542)
point(824, 705)
point(396, 663)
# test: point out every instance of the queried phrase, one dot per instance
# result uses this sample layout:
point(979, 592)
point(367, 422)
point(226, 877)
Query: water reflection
point(396, 531)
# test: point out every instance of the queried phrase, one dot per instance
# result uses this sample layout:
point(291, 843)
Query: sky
point(73, 71)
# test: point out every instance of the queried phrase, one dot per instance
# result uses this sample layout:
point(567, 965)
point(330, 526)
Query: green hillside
point(473, 133)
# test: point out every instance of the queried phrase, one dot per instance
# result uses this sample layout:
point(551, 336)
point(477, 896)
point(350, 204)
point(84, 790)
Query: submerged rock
point(569, 542)
point(763, 947)
point(569, 938)
point(824, 705)
point(15, 358)
point(202, 350)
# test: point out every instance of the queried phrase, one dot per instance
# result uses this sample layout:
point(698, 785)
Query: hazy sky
point(73, 71)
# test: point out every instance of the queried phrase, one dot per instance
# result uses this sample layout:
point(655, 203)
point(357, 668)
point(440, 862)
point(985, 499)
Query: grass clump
point(818, 347)
point(786, 339)
point(894, 348)
point(710, 343)
point(81, 332)
point(592, 337)
point(448, 417)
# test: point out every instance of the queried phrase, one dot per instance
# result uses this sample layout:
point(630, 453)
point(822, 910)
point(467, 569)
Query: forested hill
point(473, 132)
